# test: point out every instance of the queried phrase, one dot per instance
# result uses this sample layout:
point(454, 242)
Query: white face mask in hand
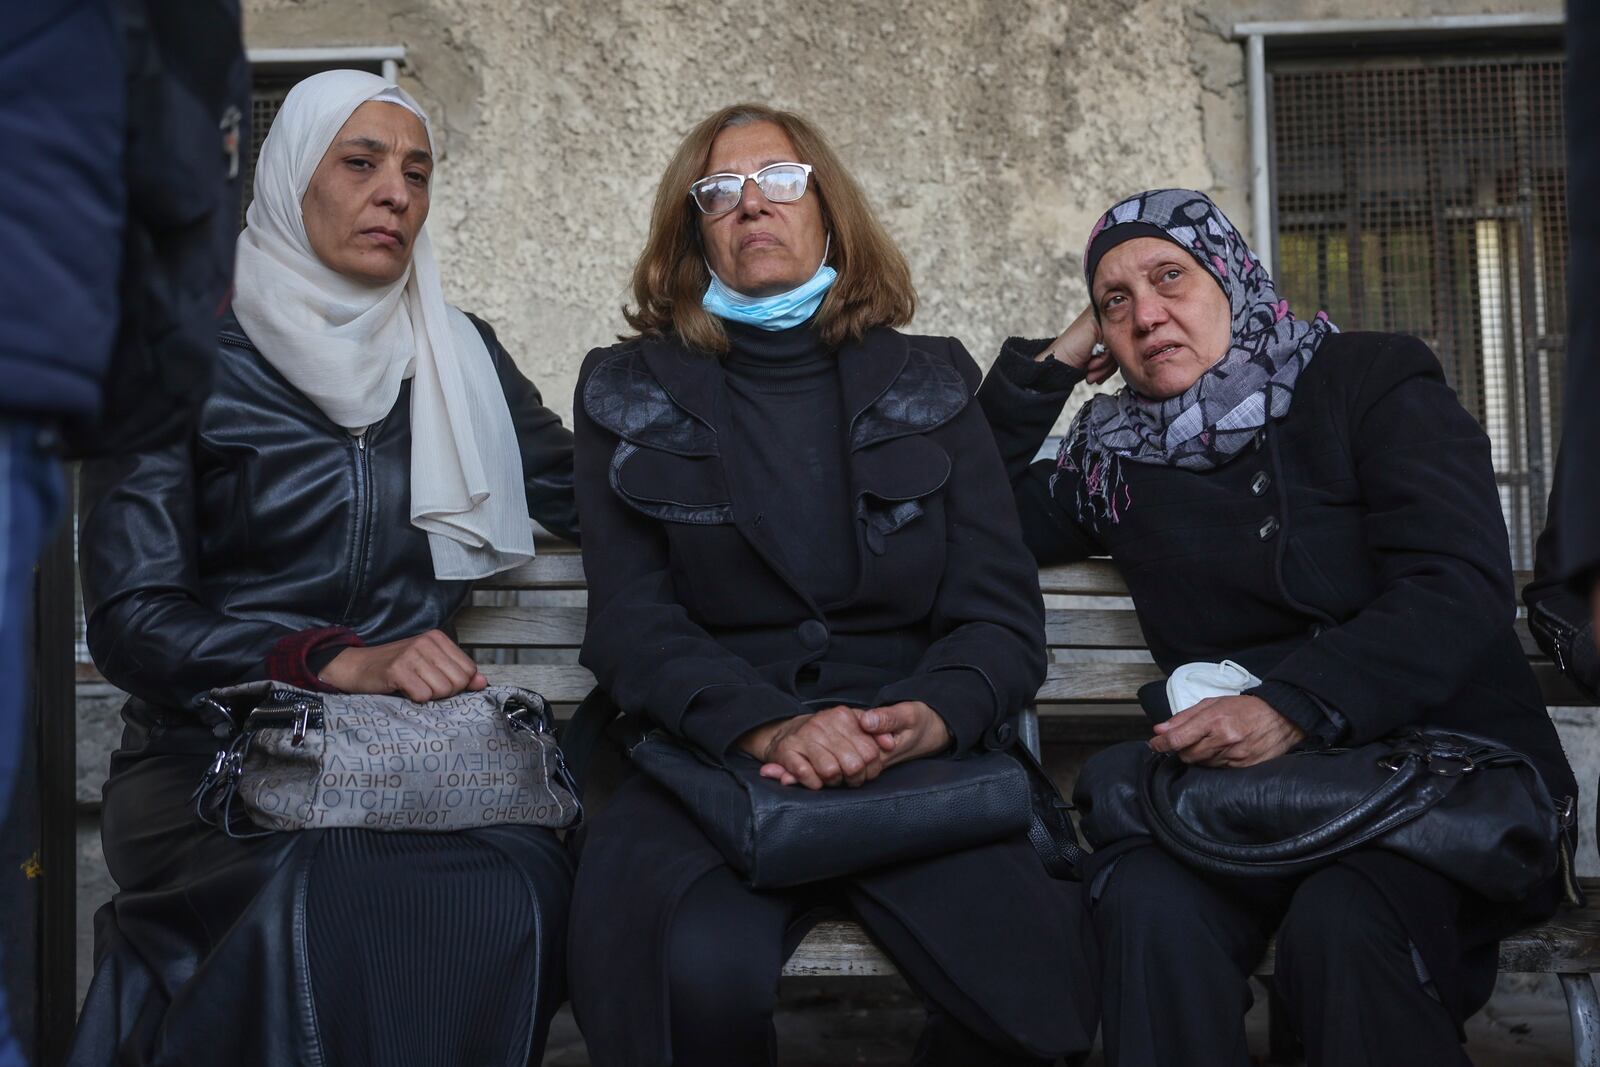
point(1194, 682)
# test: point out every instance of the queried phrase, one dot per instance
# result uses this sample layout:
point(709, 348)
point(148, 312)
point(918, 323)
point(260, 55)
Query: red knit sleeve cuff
point(290, 660)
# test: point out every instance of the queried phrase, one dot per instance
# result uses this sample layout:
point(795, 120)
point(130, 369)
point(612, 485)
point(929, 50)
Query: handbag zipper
point(299, 716)
point(358, 565)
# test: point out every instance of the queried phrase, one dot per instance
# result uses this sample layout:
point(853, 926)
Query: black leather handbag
point(777, 835)
point(1465, 806)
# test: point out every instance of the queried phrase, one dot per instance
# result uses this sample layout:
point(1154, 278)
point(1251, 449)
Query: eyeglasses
point(782, 183)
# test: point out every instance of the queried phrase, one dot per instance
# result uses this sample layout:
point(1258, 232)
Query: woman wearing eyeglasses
point(800, 546)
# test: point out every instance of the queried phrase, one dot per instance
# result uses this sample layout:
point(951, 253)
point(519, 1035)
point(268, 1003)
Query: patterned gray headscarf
point(1216, 417)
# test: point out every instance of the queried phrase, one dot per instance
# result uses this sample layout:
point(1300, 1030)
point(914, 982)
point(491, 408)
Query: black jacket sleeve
point(1560, 619)
point(147, 628)
point(545, 444)
point(641, 644)
point(1438, 544)
point(1578, 513)
point(987, 659)
point(1022, 400)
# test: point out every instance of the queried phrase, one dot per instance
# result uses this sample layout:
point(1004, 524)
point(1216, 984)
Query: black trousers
point(1177, 950)
point(726, 952)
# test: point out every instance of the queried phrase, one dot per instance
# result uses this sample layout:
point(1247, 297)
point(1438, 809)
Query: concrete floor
point(827, 1022)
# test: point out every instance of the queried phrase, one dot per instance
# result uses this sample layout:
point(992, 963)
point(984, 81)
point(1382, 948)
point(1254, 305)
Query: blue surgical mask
point(778, 312)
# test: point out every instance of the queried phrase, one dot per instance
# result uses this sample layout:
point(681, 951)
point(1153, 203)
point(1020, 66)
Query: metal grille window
point(1427, 195)
point(267, 90)
point(274, 71)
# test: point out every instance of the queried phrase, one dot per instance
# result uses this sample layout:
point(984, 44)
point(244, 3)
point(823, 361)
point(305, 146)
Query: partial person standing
point(121, 122)
point(1577, 510)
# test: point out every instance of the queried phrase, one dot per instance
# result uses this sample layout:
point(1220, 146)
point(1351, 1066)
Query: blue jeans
point(31, 496)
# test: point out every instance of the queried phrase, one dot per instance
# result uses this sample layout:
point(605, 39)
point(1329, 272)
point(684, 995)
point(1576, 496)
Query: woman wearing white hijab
point(367, 452)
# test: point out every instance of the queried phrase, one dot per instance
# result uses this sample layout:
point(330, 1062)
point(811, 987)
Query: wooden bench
point(533, 617)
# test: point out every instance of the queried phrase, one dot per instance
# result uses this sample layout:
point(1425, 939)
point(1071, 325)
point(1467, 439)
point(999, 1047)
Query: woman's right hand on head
point(1079, 347)
point(823, 748)
point(427, 667)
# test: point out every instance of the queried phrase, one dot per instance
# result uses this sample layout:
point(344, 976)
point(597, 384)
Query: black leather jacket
point(197, 559)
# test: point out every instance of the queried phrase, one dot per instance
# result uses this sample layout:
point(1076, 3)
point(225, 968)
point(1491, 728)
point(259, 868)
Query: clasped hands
point(1236, 731)
point(843, 745)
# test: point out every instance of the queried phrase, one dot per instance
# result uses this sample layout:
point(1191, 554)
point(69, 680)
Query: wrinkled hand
point(1076, 348)
point(427, 667)
point(823, 748)
point(906, 731)
point(1236, 731)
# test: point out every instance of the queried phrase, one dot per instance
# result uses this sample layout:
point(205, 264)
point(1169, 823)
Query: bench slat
point(837, 948)
point(552, 569)
point(1567, 944)
point(538, 626)
point(513, 626)
point(1093, 577)
point(559, 683)
point(561, 567)
point(1066, 683)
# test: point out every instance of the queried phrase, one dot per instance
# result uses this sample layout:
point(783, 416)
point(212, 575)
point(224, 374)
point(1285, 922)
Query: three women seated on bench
point(802, 544)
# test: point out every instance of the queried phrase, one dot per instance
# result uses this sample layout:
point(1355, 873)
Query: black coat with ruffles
point(695, 625)
point(1354, 558)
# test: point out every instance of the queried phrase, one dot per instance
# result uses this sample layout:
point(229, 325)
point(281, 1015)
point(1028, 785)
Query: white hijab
point(347, 345)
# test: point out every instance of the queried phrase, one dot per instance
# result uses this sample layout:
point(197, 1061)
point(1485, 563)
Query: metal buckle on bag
point(213, 772)
point(1450, 764)
point(525, 716)
point(1395, 760)
point(1445, 764)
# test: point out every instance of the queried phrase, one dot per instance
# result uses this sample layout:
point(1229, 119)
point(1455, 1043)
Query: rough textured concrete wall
point(989, 134)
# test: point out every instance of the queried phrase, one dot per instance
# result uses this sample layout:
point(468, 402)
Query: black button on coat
point(695, 625)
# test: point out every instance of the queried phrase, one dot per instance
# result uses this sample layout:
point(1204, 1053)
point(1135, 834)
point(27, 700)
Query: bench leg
point(1583, 1007)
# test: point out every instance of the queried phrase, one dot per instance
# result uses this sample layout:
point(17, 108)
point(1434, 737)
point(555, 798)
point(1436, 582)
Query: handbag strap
point(1372, 814)
point(1435, 760)
point(1058, 849)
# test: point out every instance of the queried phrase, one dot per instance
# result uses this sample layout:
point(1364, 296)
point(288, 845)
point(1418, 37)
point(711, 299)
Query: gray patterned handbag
point(298, 760)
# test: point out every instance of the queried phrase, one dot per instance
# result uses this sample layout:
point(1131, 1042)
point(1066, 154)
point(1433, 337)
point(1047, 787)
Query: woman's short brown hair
point(874, 284)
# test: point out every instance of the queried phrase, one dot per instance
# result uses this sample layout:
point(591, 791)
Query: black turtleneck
point(787, 439)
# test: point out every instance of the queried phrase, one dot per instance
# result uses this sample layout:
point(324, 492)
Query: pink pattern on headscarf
point(1268, 349)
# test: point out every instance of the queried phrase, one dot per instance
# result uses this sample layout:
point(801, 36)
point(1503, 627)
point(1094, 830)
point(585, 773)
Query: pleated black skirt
point(329, 948)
